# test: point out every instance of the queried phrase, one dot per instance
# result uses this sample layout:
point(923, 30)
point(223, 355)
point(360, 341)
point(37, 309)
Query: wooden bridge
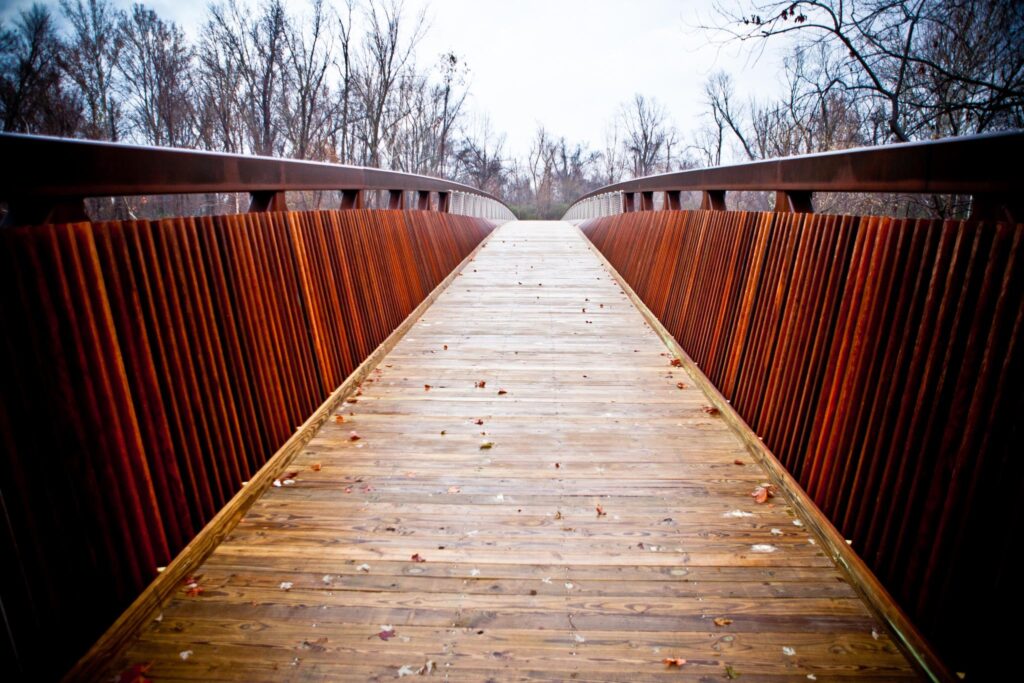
point(518, 472)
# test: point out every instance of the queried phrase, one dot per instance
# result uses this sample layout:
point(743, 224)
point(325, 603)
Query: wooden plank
point(598, 521)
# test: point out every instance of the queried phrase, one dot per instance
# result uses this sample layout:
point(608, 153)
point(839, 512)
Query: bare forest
point(346, 83)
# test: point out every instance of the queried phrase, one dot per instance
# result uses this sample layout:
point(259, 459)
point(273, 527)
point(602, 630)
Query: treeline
point(344, 83)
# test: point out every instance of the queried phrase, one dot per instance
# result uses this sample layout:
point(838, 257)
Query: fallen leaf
point(680, 385)
point(192, 587)
point(762, 493)
point(185, 654)
point(443, 432)
point(454, 489)
point(480, 384)
point(406, 670)
point(788, 651)
point(737, 461)
point(339, 418)
point(354, 436)
point(417, 558)
point(286, 585)
point(426, 387)
point(557, 466)
point(676, 363)
point(387, 631)
point(558, 514)
point(363, 568)
point(136, 674)
point(445, 347)
point(722, 621)
point(600, 511)
point(731, 673)
point(673, 661)
point(710, 410)
point(501, 392)
point(351, 399)
point(316, 467)
point(486, 445)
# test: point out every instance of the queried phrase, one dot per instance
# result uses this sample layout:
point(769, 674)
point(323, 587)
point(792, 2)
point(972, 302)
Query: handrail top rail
point(987, 163)
point(56, 168)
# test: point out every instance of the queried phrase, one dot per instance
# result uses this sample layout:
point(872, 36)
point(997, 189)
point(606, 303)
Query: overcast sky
point(568, 64)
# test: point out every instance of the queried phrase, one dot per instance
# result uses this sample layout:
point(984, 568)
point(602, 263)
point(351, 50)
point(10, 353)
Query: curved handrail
point(43, 177)
point(985, 166)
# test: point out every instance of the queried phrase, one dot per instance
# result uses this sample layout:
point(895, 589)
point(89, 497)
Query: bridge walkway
point(525, 488)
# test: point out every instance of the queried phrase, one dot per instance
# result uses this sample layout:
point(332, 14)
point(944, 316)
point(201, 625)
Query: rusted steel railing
point(880, 359)
point(982, 166)
point(150, 367)
point(48, 179)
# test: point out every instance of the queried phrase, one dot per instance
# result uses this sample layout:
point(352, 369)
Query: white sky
point(568, 64)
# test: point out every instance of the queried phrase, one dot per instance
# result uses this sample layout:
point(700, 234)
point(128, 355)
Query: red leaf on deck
point(135, 674)
point(762, 493)
point(316, 467)
point(600, 511)
point(501, 392)
point(426, 387)
point(673, 661)
point(480, 384)
point(676, 363)
point(680, 385)
point(478, 422)
point(558, 466)
point(417, 558)
point(445, 347)
point(192, 587)
point(384, 635)
point(737, 461)
point(353, 436)
point(339, 418)
point(351, 399)
point(722, 621)
point(710, 410)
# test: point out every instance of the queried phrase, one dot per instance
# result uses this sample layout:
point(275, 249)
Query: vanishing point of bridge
point(532, 463)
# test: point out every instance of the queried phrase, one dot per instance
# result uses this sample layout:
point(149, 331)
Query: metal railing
point(47, 180)
point(986, 167)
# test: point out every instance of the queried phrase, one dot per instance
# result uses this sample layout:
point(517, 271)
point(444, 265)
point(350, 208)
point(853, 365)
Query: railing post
point(43, 211)
point(351, 199)
point(794, 201)
point(267, 200)
point(628, 205)
point(396, 199)
point(671, 200)
point(996, 207)
point(444, 200)
point(712, 200)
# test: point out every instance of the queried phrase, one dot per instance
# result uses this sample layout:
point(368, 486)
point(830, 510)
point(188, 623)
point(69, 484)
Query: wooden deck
point(576, 516)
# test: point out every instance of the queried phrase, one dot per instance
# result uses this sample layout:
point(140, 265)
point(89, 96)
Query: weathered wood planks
point(581, 515)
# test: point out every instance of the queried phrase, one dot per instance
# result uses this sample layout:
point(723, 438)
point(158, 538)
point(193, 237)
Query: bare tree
point(646, 135)
point(33, 97)
point(928, 67)
point(89, 58)
point(309, 108)
point(156, 68)
point(252, 48)
point(387, 54)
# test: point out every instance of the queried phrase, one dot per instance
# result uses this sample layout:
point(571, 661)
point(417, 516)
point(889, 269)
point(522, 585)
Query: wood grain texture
point(594, 524)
